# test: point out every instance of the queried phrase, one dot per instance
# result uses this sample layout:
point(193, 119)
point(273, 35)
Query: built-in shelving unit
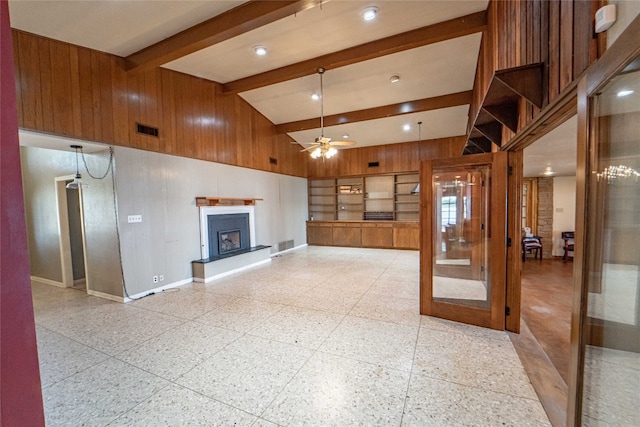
point(368, 198)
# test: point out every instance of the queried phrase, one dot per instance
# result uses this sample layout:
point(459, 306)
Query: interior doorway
point(71, 234)
point(548, 213)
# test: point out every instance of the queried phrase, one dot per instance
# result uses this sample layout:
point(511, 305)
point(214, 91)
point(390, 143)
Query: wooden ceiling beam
point(239, 20)
point(426, 104)
point(447, 30)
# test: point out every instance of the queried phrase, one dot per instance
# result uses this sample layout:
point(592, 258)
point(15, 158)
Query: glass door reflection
point(460, 264)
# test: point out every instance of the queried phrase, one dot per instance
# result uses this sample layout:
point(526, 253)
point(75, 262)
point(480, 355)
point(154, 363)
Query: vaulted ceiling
point(431, 45)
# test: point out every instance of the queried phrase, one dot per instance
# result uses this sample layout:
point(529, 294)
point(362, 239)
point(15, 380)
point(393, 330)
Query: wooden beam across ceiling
point(239, 20)
point(446, 30)
point(426, 104)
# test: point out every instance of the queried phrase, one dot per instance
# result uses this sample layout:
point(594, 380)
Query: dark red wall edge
point(20, 391)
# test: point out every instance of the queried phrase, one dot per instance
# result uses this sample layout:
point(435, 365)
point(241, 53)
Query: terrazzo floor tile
point(611, 386)
point(182, 303)
point(397, 288)
point(353, 284)
point(178, 350)
point(178, 406)
point(61, 357)
point(248, 374)
point(473, 361)
point(328, 300)
point(298, 341)
point(390, 309)
point(279, 294)
point(99, 394)
point(241, 314)
point(113, 328)
point(299, 326)
point(388, 344)
point(433, 402)
point(336, 391)
point(428, 322)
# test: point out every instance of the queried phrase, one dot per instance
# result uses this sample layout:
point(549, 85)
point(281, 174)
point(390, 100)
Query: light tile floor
point(320, 336)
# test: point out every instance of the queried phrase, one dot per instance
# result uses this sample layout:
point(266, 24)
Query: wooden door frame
point(470, 315)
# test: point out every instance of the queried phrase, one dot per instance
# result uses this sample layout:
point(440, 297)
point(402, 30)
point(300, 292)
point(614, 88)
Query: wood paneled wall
point(392, 158)
point(81, 93)
point(558, 33)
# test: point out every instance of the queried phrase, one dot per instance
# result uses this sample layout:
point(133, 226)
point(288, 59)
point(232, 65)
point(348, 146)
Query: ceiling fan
point(323, 146)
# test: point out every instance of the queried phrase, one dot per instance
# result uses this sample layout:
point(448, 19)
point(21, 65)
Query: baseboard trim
point(157, 290)
point(105, 296)
point(295, 248)
point(47, 281)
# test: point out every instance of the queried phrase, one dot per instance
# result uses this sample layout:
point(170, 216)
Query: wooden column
point(20, 390)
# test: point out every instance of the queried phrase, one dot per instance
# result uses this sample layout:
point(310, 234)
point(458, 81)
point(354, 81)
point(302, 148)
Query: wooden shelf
point(326, 206)
point(225, 201)
point(500, 105)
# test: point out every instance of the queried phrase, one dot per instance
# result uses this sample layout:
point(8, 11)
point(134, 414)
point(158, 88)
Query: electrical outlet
point(155, 279)
point(162, 277)
point(134, 218)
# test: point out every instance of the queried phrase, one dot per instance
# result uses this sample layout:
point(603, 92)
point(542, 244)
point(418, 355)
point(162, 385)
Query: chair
point(569, 240)
point(531, 244)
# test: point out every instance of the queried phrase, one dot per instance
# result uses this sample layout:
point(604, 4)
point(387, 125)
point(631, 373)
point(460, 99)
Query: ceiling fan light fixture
point(394, 79)
point(260, 50)
point(369, 13)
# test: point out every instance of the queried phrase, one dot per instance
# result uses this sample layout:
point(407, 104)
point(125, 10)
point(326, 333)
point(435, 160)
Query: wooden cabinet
point(369, 198)
point(365, 234)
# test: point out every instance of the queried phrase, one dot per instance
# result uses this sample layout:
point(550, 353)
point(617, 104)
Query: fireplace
point(227, 238)
point(229, 241)
point(228, 233)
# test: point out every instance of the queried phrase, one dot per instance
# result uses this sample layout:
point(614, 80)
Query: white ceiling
point(557, 149)
point(122, 27)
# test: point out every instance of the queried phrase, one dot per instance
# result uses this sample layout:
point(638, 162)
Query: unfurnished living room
point(323, 213)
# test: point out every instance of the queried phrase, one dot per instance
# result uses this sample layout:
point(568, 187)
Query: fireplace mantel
point(225, 201)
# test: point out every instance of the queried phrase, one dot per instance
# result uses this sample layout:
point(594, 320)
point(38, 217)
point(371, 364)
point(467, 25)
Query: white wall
point(627, 10)
point(564, 210)
point(163, 189)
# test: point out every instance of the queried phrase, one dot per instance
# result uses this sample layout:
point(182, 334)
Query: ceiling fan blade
point(313, 147)
point(343, 143)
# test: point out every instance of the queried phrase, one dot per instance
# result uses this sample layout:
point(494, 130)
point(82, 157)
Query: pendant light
point(75, 184)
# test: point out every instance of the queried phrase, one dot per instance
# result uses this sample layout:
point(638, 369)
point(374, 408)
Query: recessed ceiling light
point(345, 136)
point(315, 96)
point(406, 128)
point(394, 79)
point(624, 93)
point(369, 14)
point(547, 171)
point(260, 50)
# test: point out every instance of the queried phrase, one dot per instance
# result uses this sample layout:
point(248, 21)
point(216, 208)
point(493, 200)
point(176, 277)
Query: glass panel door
point(611, 378)
point(464, 244)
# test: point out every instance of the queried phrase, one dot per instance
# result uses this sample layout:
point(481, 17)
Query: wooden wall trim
point(76, 92)
point(391, 158)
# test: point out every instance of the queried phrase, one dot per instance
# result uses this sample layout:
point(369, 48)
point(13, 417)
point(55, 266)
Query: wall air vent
point(374, 164)
point(273, 160)
point(146, 130)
